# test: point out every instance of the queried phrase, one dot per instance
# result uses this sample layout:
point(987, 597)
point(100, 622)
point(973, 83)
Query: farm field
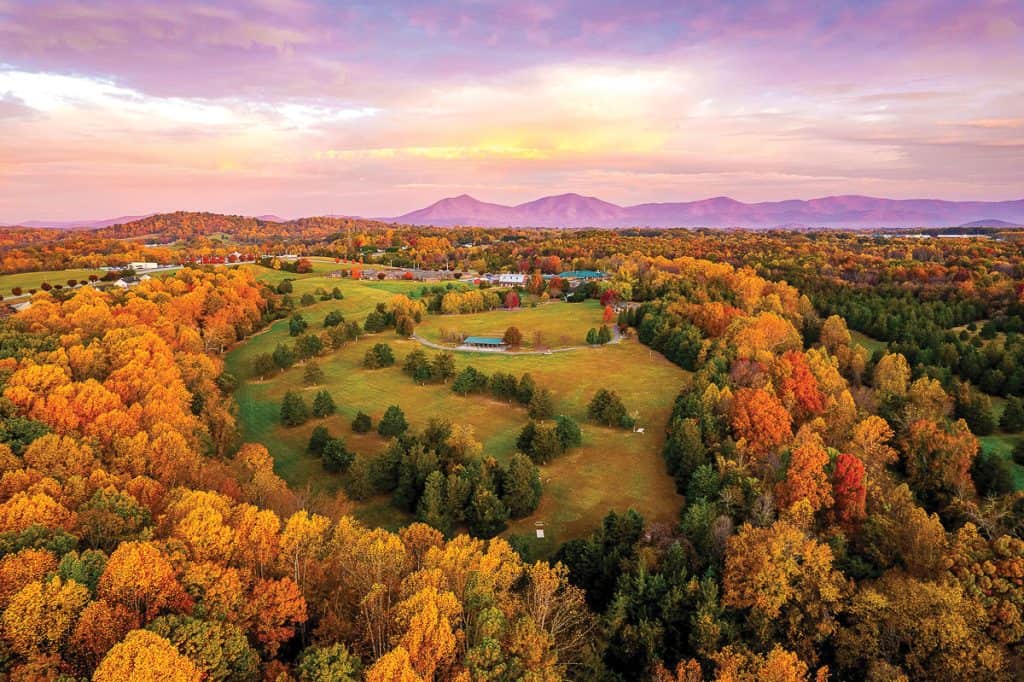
point(559, 324)
point(613, 469)
point(32, 280)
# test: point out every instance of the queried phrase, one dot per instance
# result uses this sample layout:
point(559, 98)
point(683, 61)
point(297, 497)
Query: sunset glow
point(301, 108)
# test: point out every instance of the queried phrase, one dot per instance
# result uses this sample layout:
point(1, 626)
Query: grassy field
point(872, 344)
point(32, 280)
point(559, 324)
point(614, 469)
point(1002, 444)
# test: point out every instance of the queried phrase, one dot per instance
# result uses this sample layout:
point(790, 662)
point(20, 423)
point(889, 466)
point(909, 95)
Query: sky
point(296, 107)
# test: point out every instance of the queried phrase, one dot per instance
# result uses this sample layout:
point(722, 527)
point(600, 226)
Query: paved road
point(616, 338)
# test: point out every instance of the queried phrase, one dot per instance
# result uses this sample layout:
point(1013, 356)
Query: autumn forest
point(756, 456)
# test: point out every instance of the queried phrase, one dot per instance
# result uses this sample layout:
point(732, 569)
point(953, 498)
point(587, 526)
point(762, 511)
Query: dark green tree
point(323, 404)
point(392, 423)
point(521, 488)
point(1012, 420)
point(542, 405)
point(263, 364)
point(362, 423)
point(333, 319)
point(488, 515)
point(318, 439)
point(379, 356)
point(284, 356)
point(443, 367)
point(336, 456)
point(568, 431)
point(293, 410)
point(297, 324)
point(432, 507)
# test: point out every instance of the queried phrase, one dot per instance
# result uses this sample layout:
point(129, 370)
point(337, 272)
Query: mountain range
point(574, 210)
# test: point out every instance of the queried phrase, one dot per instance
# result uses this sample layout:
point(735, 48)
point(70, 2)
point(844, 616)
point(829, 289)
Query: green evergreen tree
point(336, 456)
point(284, 356)
point(323, 404)
point(524, 393)
point(263, 364)
point(488, 515)
point(591, 336)
point(542, 405)
point(293, 409)
point(392, 423)
point(1012, 420)
point(521, 488)
point(569, 434)
point(546, 444)
point(362, 423)
point(317, 440)
point(334, 319)
point(308, 346)
point(432, 508)
point(604, 335)
point(443, 366)
point(297, 324)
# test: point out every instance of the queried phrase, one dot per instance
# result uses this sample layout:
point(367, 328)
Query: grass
point(32, 280)
point(871, 343)
point(1002, 444)
point(613, 469)
point(559, 324)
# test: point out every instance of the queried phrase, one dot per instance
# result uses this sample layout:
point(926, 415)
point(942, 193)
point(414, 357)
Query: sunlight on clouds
point(59, 94)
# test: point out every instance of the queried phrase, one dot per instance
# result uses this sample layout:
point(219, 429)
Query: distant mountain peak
point(571, 209)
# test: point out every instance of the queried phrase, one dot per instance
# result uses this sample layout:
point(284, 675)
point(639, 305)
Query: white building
point(143, 265)
point(511, 280)
point(121, 284)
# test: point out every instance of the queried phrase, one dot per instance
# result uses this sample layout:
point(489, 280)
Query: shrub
point(362, 423)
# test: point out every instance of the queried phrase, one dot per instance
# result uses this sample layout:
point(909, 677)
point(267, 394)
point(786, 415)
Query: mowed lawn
point(33, 280)
point(614, 468)
point(559, 324)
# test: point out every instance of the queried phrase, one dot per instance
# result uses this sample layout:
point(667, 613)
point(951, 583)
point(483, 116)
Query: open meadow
point(33, 280)
point(613, 469)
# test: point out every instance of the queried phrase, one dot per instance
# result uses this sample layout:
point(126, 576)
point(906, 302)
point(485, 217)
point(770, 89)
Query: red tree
point(848, 491)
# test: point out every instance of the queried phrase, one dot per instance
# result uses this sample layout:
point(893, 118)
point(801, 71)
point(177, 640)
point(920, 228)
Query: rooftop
point(483, 341)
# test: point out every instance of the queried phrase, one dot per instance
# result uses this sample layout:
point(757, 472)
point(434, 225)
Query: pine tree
point(1012, 420)
point(604, 335)
point(317, 440)
point(362, 423)
point(542, 405)
point(313, 375)
point(591, 336)
point(568, 431)
point(323, 404)
point(521, 487)
point(392, 423)
point(293, 410)
point(284, 356)
point(488, 515)
point(263, 365)
point(524, 394)
point(336, 455)
point(432, 508)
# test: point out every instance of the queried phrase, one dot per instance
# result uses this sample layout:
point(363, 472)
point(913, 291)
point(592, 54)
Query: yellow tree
point(41, 616)
point(786, 581)
point(144, 656)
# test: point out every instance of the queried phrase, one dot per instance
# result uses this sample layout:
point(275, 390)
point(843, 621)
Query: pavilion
point(488, 342)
